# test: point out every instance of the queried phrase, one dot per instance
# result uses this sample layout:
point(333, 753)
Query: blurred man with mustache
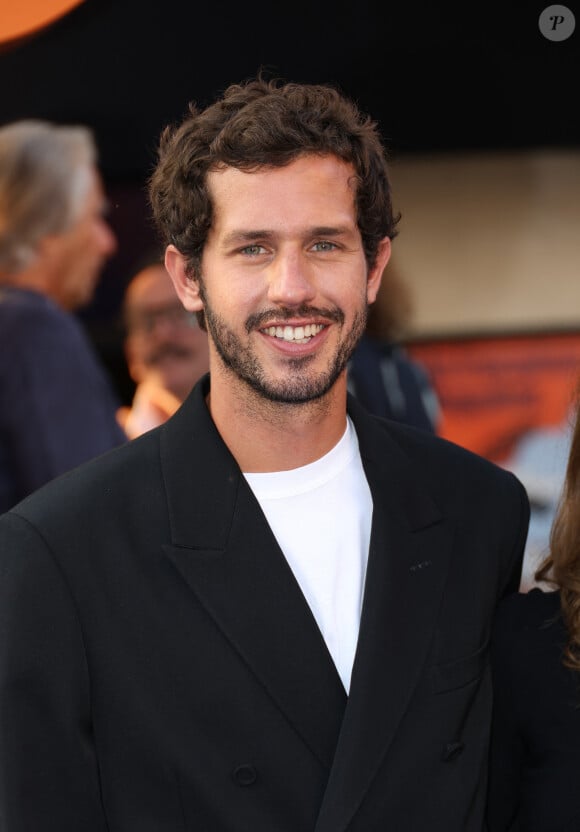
point(165, 348)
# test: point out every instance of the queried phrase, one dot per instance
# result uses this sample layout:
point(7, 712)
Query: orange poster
point(493, 390)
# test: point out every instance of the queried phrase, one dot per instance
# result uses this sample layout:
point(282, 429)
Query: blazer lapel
point(224, 549)
point(406, 573)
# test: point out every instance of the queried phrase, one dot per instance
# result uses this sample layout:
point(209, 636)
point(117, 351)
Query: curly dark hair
point(260, 124)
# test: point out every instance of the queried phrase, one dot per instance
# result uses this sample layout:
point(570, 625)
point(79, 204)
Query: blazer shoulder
point(448, 464)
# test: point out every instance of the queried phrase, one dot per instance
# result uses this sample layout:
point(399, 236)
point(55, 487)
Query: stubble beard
point(299, 386)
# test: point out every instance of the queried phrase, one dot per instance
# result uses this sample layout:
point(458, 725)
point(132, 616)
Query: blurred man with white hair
point(57, 408)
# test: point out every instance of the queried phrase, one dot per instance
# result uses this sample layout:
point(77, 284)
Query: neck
point(268, 436)
point(34, 278)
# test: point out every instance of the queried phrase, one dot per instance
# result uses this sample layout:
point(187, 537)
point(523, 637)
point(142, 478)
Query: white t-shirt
point(321, 517)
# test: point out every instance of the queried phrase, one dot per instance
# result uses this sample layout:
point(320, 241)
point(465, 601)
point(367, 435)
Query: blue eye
point(325, 245)
point(253, 250)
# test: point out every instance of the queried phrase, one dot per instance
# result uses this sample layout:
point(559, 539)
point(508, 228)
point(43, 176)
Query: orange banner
point(493, 390)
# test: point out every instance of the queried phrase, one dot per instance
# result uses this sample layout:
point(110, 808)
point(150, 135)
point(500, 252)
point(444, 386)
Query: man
point(165, 348)
point(56, 405)
point(265, 614)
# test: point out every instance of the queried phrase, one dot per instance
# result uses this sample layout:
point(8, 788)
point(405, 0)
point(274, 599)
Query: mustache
point(167, 351)
point(284, 313)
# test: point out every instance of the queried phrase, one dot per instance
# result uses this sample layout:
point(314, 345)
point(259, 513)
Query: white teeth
point(297, 334)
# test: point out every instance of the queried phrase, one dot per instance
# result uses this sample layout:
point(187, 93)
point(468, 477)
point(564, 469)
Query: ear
point(186, 287)
point(375, 274)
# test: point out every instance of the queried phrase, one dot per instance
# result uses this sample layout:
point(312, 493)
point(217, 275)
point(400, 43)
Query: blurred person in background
point(539, 461)
point(381, 373)
point(535, 749)
point(57, 408)
point(166, 350)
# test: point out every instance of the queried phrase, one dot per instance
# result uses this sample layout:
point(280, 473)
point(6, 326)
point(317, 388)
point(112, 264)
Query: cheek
point(357, 296)
point(85, 250)
point(86, 239)
point(232, 301)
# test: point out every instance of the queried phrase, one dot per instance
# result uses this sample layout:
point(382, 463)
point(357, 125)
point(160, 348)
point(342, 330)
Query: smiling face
point(284, 281)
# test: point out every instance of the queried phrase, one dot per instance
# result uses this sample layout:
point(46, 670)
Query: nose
point(106, 237)
point(290, 281)
point(162, 327)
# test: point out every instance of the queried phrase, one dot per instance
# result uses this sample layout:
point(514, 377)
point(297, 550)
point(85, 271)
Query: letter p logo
point(557, 23)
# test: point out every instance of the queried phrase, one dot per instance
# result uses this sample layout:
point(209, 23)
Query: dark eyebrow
point(236, 237)
point(328, 231)
point(241, 236)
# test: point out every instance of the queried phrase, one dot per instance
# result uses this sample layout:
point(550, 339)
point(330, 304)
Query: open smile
point(295, 334)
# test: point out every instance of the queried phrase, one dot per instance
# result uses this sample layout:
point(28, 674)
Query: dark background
point(436, 77)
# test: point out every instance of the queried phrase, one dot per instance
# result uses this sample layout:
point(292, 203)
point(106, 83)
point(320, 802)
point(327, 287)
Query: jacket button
point(451, 751)
point(245, 775)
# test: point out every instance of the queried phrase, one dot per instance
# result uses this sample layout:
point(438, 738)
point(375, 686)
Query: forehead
point(311, 190)
point(151, 287)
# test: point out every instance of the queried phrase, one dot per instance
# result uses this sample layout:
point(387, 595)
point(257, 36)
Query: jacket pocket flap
point(460, 672)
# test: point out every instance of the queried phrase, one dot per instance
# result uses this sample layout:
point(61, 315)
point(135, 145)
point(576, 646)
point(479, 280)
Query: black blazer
point(160, 670)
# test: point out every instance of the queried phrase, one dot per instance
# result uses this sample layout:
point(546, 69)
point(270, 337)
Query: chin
point(82, 298)
point(307, 388)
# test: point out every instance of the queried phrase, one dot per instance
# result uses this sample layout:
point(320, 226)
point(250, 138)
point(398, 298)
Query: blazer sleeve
point(49, 776)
